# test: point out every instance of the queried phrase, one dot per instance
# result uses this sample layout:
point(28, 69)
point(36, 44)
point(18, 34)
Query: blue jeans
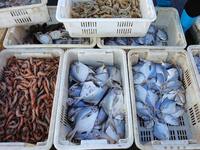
point(187, 21)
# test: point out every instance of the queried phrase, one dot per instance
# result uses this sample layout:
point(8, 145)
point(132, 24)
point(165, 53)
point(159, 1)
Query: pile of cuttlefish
point(197, 61)
point(95, 103)
point(160, 96)
point(155, 36)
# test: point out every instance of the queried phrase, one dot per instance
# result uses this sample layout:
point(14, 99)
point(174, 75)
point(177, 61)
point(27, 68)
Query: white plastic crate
point(194, 50)
point(38, 53)
point(14, 37)
point(24, 15)
point(103, 27)
point(187, 134)
point(92, 57)
point(167, 18)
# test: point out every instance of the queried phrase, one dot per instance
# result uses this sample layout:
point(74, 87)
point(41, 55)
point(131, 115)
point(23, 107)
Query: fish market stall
point(164, 95)
point(101, 18)
point(94, 108)
point(29, 86)
point(23, 12)
point(137, 88)
point(165, 32)
point(50, 34)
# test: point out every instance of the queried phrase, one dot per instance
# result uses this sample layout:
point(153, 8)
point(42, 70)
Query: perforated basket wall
point(187, 134)
point(104, 27)
point(167, 18)
point(15, 36)
point(180, 132)
point(24, 15)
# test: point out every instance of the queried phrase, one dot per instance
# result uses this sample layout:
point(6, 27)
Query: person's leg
point(186, 20)
point(179, 5)
point(190, 13)
point(52, 2)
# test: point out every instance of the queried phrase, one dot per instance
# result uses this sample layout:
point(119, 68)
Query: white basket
point(15, 36)
point(24, 15)
point(92, 57)
point(40, 53)
point(168, 19)
point(187, 134)
point(194, 50)
point(103, 27)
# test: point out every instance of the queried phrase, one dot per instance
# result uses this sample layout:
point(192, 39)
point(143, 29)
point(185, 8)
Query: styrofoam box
point(104, 27)
point(92, 57)
point(187, 134)
point(24, 15)
point(36, 53)
point(168, 19)
point(14, 37)
point(194, 50)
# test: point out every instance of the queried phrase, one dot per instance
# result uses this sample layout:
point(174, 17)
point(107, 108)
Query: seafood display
point(27, 90)
point(106, 9)
point(11, 3)
point(95, 103)
point(197, 61)
point(155, 36)
point(51, 34)
point(160, 96)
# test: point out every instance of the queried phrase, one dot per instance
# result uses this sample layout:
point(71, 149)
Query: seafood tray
point(186, 134)
point(92, 57)
point(194, 50)
point(19, 55)
point(167, 19)
point(24, 15)
point(104, 27)
point(16, 35)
